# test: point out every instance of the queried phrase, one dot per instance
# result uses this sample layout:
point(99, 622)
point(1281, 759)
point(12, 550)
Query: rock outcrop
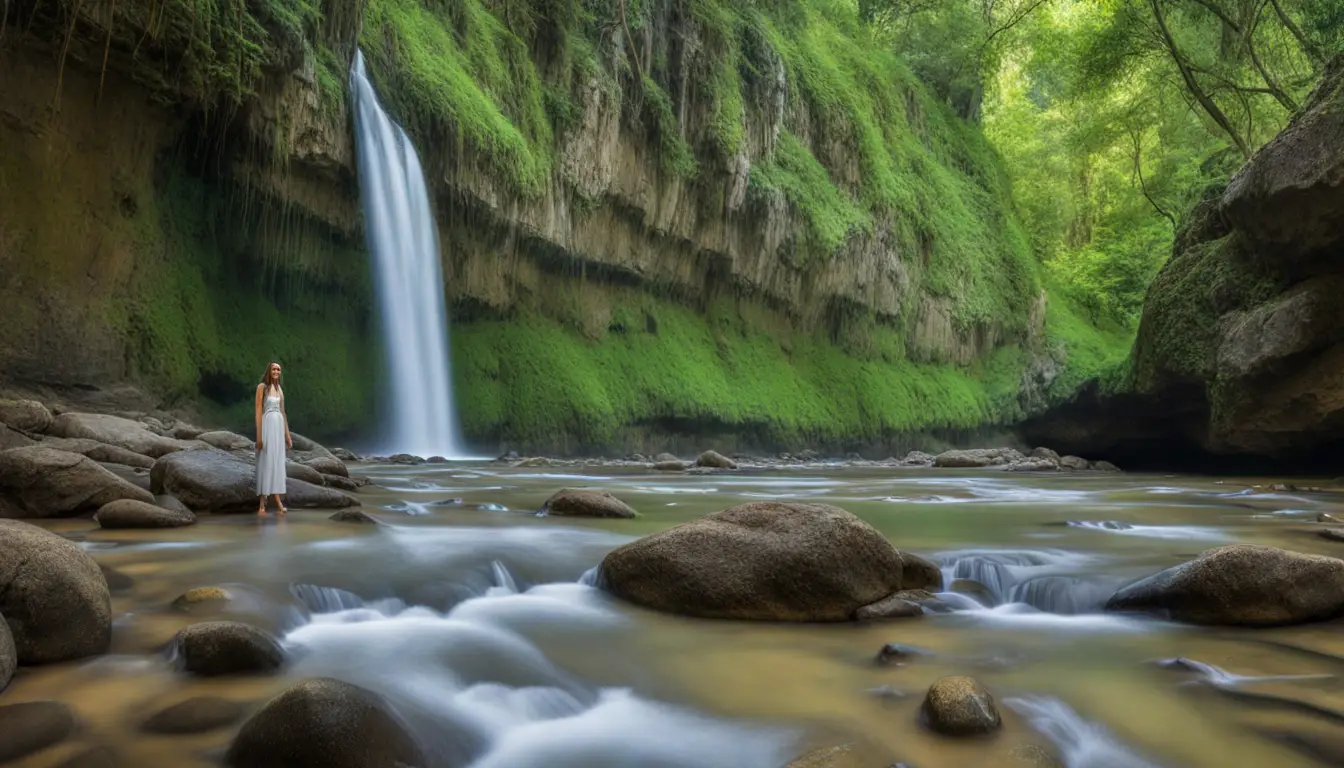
point(767, 561)
point(52, 595)
point(214, 481)
point(40, 482)
point(128, 513)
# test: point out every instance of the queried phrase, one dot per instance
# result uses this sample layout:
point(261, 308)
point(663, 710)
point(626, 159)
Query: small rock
point(405, 458)
point(128, 513)
point(25, 415)
point(579, 502)
point(201, 597)
point(227, 441)
point(670, 466)
point(227, 647)
point(715, 460)
point(959, 706)
point(918, 459)
point(9, 657)
point(33, 726)
point(895, 653)
point(901, 605)
point(436, 460)
point(1045, 453)
point(665, 457)
point(328, 466)
point(195, 715)
point(1073, 462)
point(535, 461)
point(1033, 465)
point(1326, 517)
point(976, 458)
point(53, 596)
point(324, 723)
point(1102, 466)
point(354, 516)
point(184, 431)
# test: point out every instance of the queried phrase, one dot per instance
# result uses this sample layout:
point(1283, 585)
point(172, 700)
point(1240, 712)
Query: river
point(473, 618)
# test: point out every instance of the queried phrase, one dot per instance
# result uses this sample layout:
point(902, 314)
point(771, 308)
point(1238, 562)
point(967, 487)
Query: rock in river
point(128, 513)
point(40, 482)
point(959, 706)
point(196, 715)
point(1241, 585)
point(324, 723)
point(52, 595)
point(582, 502)
point(214, 481)
point(226, 648)
point(32, 726)
point(768, 561)
point(715, 460)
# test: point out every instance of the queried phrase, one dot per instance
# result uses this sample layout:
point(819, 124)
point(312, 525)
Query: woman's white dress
point(271, 459)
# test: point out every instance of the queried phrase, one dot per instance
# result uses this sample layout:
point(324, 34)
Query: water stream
point(404, 242)
point(474, 617)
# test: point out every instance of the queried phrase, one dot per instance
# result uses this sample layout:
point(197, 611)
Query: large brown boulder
point(53, 596)
point(325, 723)
point(25, 415)
point(213, 648)
point(114, 430)
point(959, 706)
point(1241, 585)
point(583, 502)
point(102, 452)
point(329, 466)
point(128, 513)
point(214, 481)
point(226, 441)
point(768, 561)
point(40, 482)
point(715, 460)
point(11, 439)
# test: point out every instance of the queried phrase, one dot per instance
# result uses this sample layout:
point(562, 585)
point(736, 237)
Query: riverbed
point(476, 619)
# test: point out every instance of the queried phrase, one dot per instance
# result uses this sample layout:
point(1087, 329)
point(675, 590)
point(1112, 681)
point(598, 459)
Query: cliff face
point(708, 218)
point(1240, 351)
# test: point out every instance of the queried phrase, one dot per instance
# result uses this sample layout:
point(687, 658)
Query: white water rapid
point(402, 237)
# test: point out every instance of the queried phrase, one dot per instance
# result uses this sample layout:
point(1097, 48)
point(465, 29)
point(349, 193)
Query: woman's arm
point(260, 389)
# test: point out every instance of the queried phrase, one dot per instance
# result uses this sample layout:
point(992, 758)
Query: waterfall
point(408, 279)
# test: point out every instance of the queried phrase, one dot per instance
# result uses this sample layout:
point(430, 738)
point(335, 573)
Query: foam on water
point(1081, 743)
point(1174, 532)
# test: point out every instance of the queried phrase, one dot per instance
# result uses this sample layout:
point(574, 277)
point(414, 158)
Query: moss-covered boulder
point(41, 482)
point(1241, 585)
point(768, 561)
point(53, 596)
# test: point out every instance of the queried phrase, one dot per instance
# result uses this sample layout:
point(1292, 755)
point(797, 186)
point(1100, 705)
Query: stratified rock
point(227, 648)
point(33, 726)
point(9, 657)
point(296, 471)
point(976, 458)
point(128, 513)
point(114, 430)
point(325, 723)
point(201, 597)
point(1241, 585)
point(959, 706)
point(103, 452)
point(767, 561)
point(354, 516)
point(214, 481)
point(195, 715)
point(715, 460)
point(227, 441)
point(39, 482)
point(579, 502)
point(25, 415)
point(328, 466)
point(52, 595)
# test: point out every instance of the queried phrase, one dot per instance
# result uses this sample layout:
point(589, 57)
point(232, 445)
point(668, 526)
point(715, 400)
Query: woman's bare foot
point(283, 511)
point(261, 512)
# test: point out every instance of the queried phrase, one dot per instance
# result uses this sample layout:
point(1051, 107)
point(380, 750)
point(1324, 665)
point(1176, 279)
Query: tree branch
point(1310, 48)
point(1282, 96)
point(1193, 85)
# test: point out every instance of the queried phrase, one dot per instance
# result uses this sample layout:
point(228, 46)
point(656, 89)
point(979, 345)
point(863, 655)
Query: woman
point(272, 426)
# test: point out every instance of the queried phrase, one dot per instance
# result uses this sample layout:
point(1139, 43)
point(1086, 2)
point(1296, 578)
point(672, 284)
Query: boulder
point(1033, 465)
point(9, 657)
point(670, 466)
point(959, 706)
point(344, 455)
point(214, 481)
point(25, 415)
point(325, 723)
point(171, 503)
point(665, 457)
point(40, 482)
point(227, 441)
point(340, 483)
point(184, 431)
point(215, 648)
point(976, 458)
point(11, 439)
point(33, 726)
point(328, 465)
point(296, 471)
point(715, 460)
point(195, 715)
point(1073, 462)
point(918, 459)
point(901, 605)
point(128, 513)
point(1104, 466)
point(357, 516)
point(114, 430)
point(201, 597)
point(101, 452)
point(306, 449)
point(768, 561)
point(1044, 453)
point(582, 502)
point(1241, 585)
point(52, 595)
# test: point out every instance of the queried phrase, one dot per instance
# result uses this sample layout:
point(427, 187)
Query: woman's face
point(275, 372)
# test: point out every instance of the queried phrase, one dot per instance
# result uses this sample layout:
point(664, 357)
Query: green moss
point(674, 154)
point(1083, 350)
point(830, 214)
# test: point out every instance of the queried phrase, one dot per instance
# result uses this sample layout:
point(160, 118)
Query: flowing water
point(474, 617)
point(403, 239)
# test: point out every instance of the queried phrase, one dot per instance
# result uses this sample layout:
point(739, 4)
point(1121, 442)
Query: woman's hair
point(266, 377)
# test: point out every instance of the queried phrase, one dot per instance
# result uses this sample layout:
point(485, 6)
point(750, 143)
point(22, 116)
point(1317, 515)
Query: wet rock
point(52, 595)
point(39, 482)
point(128, 513)
point(665, 457)
point(116, 580)
point(1333, 534)
point(1104, 466)
point(405, 458)
point(1042, 452)
point(344, 455)
point(843, 756)
point(172, 504)
point(215, 648)
point(114, 430)
point(306, 448)
point(670, 466)
point(214, 481)
point(100, 452)
point(768, 561)
point(328, 466)
point(195, 715)
point(1241, 585)
point(358, 516)
point(12, 439)
point(715, 460)
point(976, 458)
point(1326, 517)
point(896, 653)
point(1074, 463)
point(201, 598)
point(579, 502)
point(296, 471)
point(184, 431)
point(9, 657)
point(902, 605)
point(1033, 465)
point(437, 460)
point(324, 723)
point(918, 459)
point(33, 726)
point(340, 483)
point(959, 706)
point(227, 441)
point(25, 415)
